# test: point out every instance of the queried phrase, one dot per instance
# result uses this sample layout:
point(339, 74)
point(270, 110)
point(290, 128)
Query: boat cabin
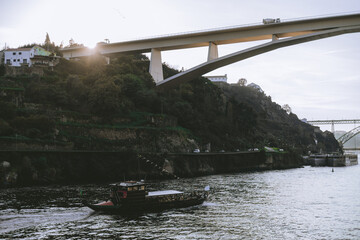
point(127, 191)
point(132, 192)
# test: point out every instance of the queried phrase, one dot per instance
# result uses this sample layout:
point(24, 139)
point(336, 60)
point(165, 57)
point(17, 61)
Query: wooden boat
point(131, 196)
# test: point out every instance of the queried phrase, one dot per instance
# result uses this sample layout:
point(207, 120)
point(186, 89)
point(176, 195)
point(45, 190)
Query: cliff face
point(147, 133)
point(130, 139)
point(276, 127)
point(88, 105)
point(44, 167)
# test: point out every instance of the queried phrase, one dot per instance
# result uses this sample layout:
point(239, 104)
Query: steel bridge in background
point(347, 136)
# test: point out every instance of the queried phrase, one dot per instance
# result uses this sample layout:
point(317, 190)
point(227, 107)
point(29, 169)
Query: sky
point(318, 80)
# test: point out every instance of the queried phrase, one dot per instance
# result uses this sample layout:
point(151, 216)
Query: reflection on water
point(306, 203)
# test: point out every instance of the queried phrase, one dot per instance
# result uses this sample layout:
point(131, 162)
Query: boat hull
point(108, 207)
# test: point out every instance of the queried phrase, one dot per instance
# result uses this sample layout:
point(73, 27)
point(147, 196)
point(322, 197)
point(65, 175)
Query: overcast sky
point(319, 80)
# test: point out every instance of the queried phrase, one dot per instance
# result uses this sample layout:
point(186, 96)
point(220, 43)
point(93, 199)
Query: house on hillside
point(28, 57)
point(217, 79)
point(255, 86)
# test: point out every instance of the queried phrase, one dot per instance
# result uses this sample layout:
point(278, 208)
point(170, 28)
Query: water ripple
point(306, 203)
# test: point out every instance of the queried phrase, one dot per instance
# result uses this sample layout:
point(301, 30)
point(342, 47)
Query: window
point(7, 61)
point(14, 53)
point(14, 60)
point(18, 60)
point(20, 53)
point(25, 61)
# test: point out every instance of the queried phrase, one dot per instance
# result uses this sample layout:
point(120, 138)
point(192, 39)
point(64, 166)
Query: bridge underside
point(281, 34)
point(214, 63)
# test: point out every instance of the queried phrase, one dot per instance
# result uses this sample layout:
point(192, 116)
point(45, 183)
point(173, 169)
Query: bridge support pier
point(156, 70)
point(275, 37)
point(107, 59)
point(213, 51)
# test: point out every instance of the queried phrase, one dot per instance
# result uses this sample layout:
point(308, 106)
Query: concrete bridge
point(280, 34)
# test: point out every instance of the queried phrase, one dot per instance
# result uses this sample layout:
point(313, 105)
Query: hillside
point(88, 105)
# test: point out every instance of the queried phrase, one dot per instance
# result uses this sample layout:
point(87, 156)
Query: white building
point(217, 79)
point(255, 86)
point(26, 56)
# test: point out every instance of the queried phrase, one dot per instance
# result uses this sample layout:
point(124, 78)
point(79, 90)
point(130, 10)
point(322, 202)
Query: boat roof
point(162, 193)
point(128, 184)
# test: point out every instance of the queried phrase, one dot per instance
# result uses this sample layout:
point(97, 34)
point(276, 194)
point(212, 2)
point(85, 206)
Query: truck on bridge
point(271, 20)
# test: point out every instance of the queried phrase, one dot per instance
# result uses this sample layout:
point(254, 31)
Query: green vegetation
point(90, 105)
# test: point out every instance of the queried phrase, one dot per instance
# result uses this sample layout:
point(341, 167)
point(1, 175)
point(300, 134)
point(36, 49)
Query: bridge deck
point(326, 122)
point(250, 52)
point(220, 36)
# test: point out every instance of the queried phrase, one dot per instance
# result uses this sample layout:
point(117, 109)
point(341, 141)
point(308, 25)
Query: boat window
point(135, 188)
point(130, 189)
point(142, 188)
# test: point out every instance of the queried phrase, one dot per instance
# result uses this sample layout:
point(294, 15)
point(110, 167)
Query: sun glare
point(91, 46)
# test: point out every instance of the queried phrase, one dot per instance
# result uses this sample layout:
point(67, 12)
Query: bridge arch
point(349, 135)
point(216, 63)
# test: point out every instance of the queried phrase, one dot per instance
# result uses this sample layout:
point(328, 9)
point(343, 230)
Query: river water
point(304, 203)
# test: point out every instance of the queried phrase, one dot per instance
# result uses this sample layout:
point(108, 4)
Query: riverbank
point(28, 168)
point(332, 160)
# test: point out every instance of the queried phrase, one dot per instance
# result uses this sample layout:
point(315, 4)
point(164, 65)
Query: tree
point(5, 128)
point(8, 110)
point(287, 108)
point(72, 43)
point(47, 43)
point(242, 82)
point(106, 98)
point(2, 69)
point(47, 40)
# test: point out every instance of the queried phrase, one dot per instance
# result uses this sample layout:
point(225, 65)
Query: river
point(304, 203)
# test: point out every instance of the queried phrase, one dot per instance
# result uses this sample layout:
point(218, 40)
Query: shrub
point(5, 129)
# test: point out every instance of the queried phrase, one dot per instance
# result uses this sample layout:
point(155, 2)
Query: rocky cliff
point(52, 167)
